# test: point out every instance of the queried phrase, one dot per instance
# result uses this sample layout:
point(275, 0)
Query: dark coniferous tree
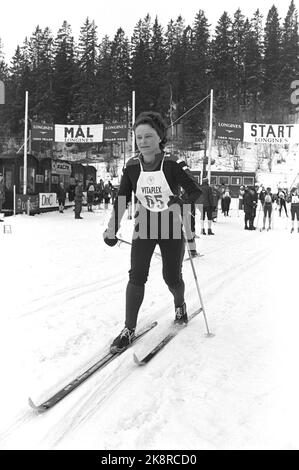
point(20, 79)
point(120, 85)
point(253, 76)
point(4, 78)
point(40, 49)
point(64, 74)
point(103, 81)
point(272, 68)
point(289, 58)
point(176, 50)
point(238, 36)
point(141, 65)
point(198, 71)
point(84, 109)
point(158, 70)
point(222, 66)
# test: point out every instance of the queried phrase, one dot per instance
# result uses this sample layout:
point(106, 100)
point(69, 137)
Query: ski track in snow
point(199, 393)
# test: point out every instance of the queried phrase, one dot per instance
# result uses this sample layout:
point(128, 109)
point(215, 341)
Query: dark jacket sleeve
point(185, 179)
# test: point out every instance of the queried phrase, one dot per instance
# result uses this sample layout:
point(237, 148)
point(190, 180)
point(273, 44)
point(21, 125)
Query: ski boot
point(210, 232)
point(203, 232)
point(181, 317)
point(193, 253)
point(122, 341)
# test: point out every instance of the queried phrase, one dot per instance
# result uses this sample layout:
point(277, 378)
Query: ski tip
point(36, 408)
point(137, 361)
point(31, 403)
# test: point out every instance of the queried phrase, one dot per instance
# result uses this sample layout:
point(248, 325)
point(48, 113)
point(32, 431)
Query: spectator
point(207, 203)
point(90, 195)
point(216, 197)
point(61, 195)
point(78, 199)
point(262, 195)
point(241, 195)
point(268, 199)
point(100, 190)
point(255, 198)
point(106, 194)
point(72, 188)
point(295, 207)
point(222, 191)
point(282, 201)
point(226, 202)
point(248, 209)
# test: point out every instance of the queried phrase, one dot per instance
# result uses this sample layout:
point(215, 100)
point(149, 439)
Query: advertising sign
point(113, 132)
point(61, 168)
point(22, 203)
point(48, 200)
point(229, 131)
point(271, 133)
point(42, 132)
point(79, 133)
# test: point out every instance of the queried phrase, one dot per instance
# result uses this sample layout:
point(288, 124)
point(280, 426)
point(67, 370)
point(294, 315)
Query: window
point(55, 179)
point(213, 180)
point(65, 179)
point(224, 180)
point(39, 178)
point(236, 180)
point(248, 180)
point(8, 179)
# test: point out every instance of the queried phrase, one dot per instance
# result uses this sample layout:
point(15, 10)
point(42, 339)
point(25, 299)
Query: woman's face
point(147, 139)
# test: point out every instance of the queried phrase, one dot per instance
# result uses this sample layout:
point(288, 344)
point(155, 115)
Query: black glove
point(110, 238)
point(175, 200)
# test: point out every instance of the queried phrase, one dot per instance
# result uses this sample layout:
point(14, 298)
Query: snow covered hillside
point(62, 302)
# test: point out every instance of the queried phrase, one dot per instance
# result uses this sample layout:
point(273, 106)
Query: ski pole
point(187, 230)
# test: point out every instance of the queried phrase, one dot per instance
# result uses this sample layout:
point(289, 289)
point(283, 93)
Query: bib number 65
point(155, 201)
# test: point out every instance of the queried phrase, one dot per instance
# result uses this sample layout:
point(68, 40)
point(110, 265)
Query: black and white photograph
point(149, 228)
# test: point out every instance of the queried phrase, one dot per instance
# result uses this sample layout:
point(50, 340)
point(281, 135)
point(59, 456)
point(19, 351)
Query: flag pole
point(210, 135)
point(133, 146)
point(133, 122)
point(25, 144)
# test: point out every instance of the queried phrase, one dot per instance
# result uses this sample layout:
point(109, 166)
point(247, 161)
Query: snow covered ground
point(62, 302)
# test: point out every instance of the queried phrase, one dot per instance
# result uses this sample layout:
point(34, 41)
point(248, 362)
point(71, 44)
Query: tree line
point(249, 62)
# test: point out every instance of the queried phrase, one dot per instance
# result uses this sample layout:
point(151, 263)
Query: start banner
point(87, 133)
point(271, 133)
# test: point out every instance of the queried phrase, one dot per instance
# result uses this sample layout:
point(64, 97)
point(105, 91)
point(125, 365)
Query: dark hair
point(156, 121)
